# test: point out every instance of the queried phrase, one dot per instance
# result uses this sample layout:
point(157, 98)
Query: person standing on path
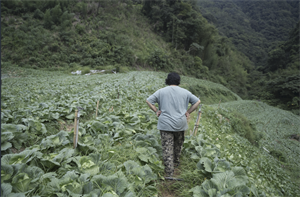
point(172, 118)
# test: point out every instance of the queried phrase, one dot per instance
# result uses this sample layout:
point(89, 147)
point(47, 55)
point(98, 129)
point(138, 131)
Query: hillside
point(119, 152)
point(255, 27)
point(108, 35)
point(280, 131)
point(279, 83)
point(267, 32)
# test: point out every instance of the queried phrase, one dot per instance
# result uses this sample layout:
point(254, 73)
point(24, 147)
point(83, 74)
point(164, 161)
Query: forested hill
point(127, 35)
point(279, 83)
point(268, 33)
point(255, 27)
point(156, 35)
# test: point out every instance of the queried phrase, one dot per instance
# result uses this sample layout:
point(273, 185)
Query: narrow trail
point(165, 187)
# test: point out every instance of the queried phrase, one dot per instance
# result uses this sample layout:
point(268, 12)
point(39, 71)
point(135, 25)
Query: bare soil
point(65, 126)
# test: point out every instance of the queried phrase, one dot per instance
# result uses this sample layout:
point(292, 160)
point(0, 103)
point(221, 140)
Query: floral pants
point(171, 146)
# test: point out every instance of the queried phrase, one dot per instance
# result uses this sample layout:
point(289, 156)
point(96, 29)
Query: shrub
point(85, 70)
point(80, 29)
point(54, 47)
point(157, 59)
point(26, 16)
point(47, 20)
point(38, 14)
point(278, 155)
point(11, 21)
point(242, 126)
point(56, 14)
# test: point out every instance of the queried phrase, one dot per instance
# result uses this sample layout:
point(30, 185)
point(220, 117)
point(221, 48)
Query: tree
point(56, 14)
point(48, 20)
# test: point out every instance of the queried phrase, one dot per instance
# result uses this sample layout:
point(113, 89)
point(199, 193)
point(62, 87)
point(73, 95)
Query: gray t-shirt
point(173, 102)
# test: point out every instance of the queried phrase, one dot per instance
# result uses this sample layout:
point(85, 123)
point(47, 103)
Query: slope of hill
point(279, 84)
point(255, 27)
point(280, 129)
point(119, 153)
point(72, 35)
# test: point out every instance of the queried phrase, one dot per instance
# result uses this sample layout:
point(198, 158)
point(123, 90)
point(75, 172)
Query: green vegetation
point(119, 152)
point(255, 27)
point(203, 52)
point(277, 127)
point(70, 35)
point(279, 83)
point(250, 143)
point(267, 32)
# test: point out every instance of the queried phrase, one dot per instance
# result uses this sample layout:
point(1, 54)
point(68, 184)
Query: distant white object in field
point(97, 71)
point(78, 72)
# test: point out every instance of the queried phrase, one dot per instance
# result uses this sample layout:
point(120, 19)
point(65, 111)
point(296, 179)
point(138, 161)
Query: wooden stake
point(219, 103)
point(197, 124)
point(97, 108)
point(75, 129)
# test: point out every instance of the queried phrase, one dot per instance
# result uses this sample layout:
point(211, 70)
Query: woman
point(172, 118)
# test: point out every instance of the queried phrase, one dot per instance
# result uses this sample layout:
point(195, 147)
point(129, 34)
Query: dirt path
point(166, 188)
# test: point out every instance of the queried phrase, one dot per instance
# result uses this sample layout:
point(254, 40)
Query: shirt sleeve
point(154, 98)
point(193, 99)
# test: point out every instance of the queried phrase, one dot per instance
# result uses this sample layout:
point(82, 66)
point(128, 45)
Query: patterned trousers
point(171, 146)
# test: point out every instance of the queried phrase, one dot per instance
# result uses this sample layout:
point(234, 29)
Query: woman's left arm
point(192, 108)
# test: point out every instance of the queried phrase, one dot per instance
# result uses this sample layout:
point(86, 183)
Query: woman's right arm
point(158, 112)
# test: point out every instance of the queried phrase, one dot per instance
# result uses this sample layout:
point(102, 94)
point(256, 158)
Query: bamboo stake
point(75, 129)
point(198, 119)
point(97, 108)
point(197, 124)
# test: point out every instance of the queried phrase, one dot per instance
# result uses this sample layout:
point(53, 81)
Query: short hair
point(173, 79)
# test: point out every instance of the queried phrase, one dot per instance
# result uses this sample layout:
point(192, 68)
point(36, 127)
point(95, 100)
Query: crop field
point(119, 151)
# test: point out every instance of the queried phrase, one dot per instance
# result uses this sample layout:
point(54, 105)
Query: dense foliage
point(268, 33)
point(279, 82)
point(213, 57)
point(116, 35)
point(119, 152)
point(255, 27)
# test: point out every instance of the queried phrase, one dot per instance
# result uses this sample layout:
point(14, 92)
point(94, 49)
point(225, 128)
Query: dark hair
point(173, 79)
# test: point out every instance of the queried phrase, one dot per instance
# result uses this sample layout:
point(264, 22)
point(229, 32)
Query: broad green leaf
point(70, 116)
point(221, 165)
point(6, 188)
point(110, 195)
point(198, 192)
point(13, 128)
point(6, 172)
point(55, 115)
point(5, 145)
point(98, 127)
point(88, 166)
point(207, 164)
point(240, 174)
point(6, 136)
point(117, 182)
point(26, 179)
